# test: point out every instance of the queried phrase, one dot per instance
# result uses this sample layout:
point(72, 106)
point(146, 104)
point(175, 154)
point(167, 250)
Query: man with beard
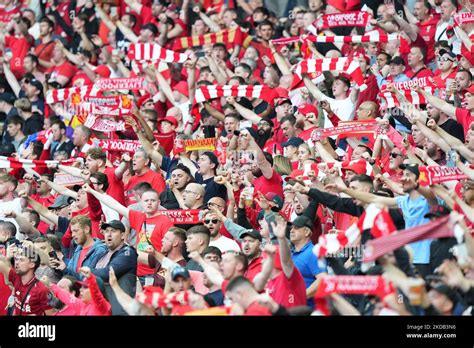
point(180, 178)
point(266, 179)
point(30, 295)
point(266, 135)
point(214, 224)
point(60, 141)
point(415, 204)
point(122, 258)
point(150, 225)
point(88, 250)
point(434, 152)
point(445, 122)
point(170, 255)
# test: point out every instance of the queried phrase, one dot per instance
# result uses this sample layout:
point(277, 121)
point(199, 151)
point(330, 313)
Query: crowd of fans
point(233, 205)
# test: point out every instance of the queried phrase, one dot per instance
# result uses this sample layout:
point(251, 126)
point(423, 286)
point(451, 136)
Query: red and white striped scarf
point(349, 66)
point(59, 95)
point(463, 18)
point(211, 92)
point(405, 88)
point(373, 36)
point(160, 66)
point(378, 220)
point(344, 19)
point(146, 51)
point(14, 163)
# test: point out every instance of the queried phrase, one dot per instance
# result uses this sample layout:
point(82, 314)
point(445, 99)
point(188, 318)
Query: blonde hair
point(282, 165)
point(23, 104)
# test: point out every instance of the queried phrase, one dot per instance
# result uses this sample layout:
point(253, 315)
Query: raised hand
point(85, 271)
point(112, 278)
point(279, 228)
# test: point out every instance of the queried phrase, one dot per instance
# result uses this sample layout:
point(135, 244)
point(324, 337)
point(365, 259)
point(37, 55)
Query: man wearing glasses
point(214, 224)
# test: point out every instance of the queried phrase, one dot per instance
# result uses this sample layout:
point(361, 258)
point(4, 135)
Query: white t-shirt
point(225, 244)
point(15, 206)
point(344, 109)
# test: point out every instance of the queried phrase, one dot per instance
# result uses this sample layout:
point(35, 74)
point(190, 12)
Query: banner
point(463, 18)
point(146, 51)
point(439, 228)
point(190, 216)
point(59, 95)
point(101, 125)
point(346, 65)
point(405, 88)
point(373, 36)
point(14, 163)
point(67, 180)
point(354, 285)
point(200, 144)
point(431, 175)
point(357, 129)
point(352, 19)
point(119, 145)
point(231, 38)
point(114, 84)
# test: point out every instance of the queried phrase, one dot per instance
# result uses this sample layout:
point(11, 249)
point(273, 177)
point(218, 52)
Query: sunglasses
point(395, 155)
point(445, 59)
point(214, 221)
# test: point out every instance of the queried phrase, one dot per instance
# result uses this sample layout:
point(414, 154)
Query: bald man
point(367, 111)
point(193, 196)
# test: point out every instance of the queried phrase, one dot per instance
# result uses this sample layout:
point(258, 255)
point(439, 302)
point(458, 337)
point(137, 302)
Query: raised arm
point(438, 103)
point(364, 196)
point(314, 90)
point(128, 33)
point(279, 230)
point(212, 274)
point(262, 162)
point(108, 201)
point(11, 79)
point(243, 111)
point(42, 210)
point(61, 189)
point(262, 278)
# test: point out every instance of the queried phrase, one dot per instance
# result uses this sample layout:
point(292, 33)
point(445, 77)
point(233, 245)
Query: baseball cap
point(307, 109)
point(252, 233)
point(180, 272)
point(102, 71)
point(294, 141)
point(99, 281)
point(412, 168)
point(294, 174)
point(273, 197)
point(173, 8)
point(115, 224)
point(61, 202)
point(397, 61)
point(169, 119)
point(437, 211)
point(143, 99)
point(357, 167)
point(37, 84)
point(447, 291)
point(445, 51)
point(303, 221)
point(7, 98)
point(182, 87)
point(283, 101)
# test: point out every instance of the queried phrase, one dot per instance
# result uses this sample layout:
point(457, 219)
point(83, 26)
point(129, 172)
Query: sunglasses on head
point(214, 221)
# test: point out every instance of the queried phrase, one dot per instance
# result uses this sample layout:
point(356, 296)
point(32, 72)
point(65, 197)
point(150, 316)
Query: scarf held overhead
point(146, 51)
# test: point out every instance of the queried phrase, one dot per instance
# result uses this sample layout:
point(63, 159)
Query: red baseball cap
point(169, 119)
point(294, 174)
point(102, 71)
point(356, 167)
point(182, 87)
point(307, 109)
point(470, 89)
point(143, 99)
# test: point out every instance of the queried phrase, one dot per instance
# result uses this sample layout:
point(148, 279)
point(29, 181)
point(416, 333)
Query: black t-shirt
point(440, 251)
point(212, 188)
point(168, 200)
point(453, 128)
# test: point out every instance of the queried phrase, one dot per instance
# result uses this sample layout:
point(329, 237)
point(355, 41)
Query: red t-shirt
point(257, 309)
point(274, 184)
point(36, 301)
point(19, 47)
point(65, 69)
point(288, 292)
point(424, 72)
point(427, 32)
point(465, 118)
point(115, 190)
point(150, 230)
point(82, 256)
point(254, 268)
point(153, 178)
point(44, 52)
